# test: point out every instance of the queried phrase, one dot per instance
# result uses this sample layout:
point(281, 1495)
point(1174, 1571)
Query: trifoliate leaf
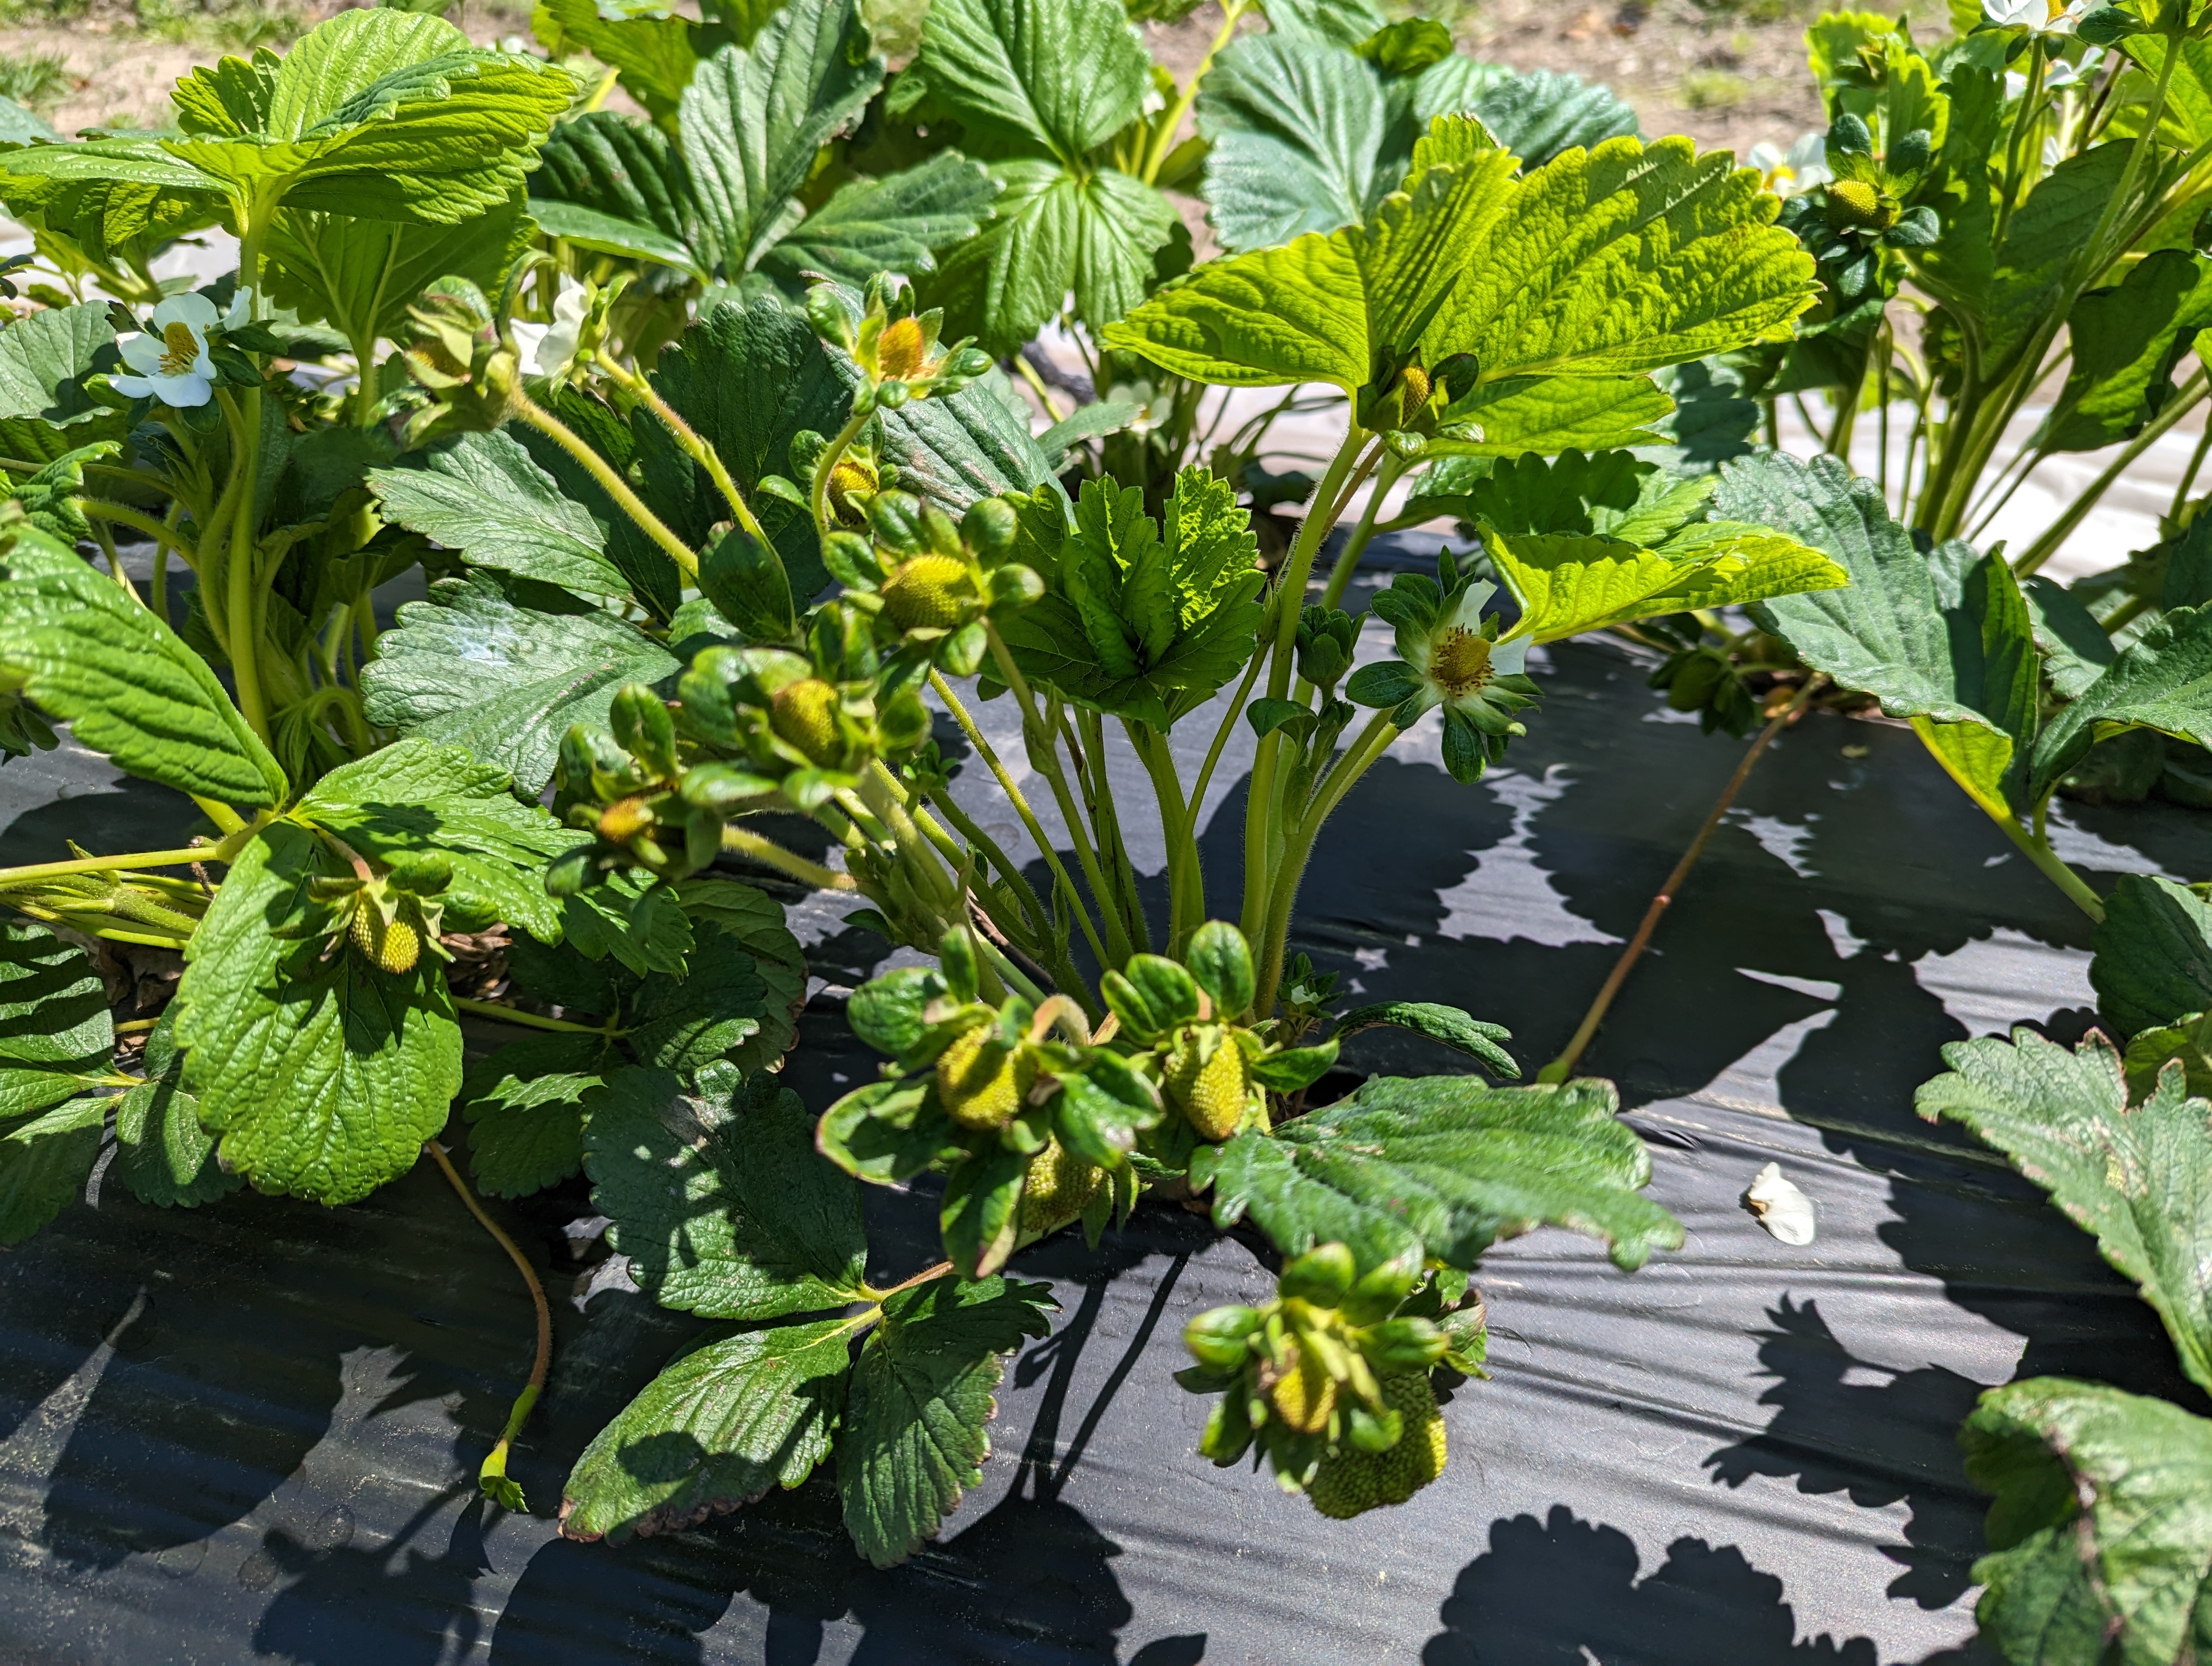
point(2153, 959)
point(1139, 624)
point(323, 1076)
point(609, 185)
point(1442, 1166)
point(57, 1039)
point(2126, 341)
point(715, 1008)
point(44, 1164)
point(1534, 113)
point(717, 1429)
point(503, 668)
point(44, 358)
point(2162, 680)
point(754, 120)
point(524, 1107)
point(2137, 1178)
point(380, 113)
point(913, 1437)
point(162, 1152)
point(2101, 1533)
point(724, 1209)
point(1296, 132)
point(86, 652)
point(482, 496)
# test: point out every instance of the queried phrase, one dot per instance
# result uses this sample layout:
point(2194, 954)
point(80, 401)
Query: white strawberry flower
point(170, 359)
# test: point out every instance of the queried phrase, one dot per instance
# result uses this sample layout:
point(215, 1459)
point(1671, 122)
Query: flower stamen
point(1461, 663)
point(182, 349)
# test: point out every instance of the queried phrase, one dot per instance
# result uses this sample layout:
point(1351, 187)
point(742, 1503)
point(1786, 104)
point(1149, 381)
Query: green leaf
point(1140, 624)
point(2189, 1042)
point(1623, 258)
point(1568, 583)
point(715, 1430)
point(1343, 23)
point(2127, 340)
point(524, 1107)
point(913, 1438)
point(1890, 634)
point(749, 380)
point(1296, 130)
point(2153, 959)
point(379, 113)
point(1449, 1024)
point(2162, 680)
point(975, 444)
point(2101, 1533)
point(361, 276)
point(980, 1216)
point(1534, 113)
point(2039, 244)
point(44, 358)
point(57, 1038)
point(114, 199)
point(503, 668)
point(21, 126)
point(88, 652)
point(609, 185)
point(44, 1164)
point(1552, 414)
point(753, 120)
point(414, 797)
point(714, 1007)
point(324, 1077)
point(754, 921)
point(162, 1151)
point(2135, 1177)
point(1443, 1167)
point(653, 52)
point(1062, 78)
point(724, 1210)
point(894, 224)
point(482, 496)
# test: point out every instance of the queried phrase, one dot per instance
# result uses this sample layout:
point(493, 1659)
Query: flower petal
point(1509, 657)
point(185, 392)
point(132, 387)
point(142, 353)
point(192, 308)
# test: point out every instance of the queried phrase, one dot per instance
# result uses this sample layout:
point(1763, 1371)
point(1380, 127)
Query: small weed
point(1713, 89)
point(37, 81)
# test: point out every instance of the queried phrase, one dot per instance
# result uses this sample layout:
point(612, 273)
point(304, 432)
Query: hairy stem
point(36, 870)
point(1297, 849)
point(826, 464)
point(738, 842)
point(689, 438)
point(614, 485)
point(492, 1009)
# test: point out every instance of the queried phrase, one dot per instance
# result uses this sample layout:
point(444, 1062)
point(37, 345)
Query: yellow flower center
point(182, 349)
point(899, 351)
point(1460, 664)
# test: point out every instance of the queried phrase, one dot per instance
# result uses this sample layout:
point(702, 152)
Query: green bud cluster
point(1331, 1372)
point(463, 360)
point(1013, 1098)
point(1326, 638)
point(930, 586)
point(1183, 1021)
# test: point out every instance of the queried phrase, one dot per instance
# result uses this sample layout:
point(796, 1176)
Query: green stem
point(492, 1478)
point(1186, 882)
point(1013, 792)
point(2188, 475)
point(612, 483)
point(2038, 851)
point(1228, 728)
point(162, 532)
point(740, 842)
point(1387, 475)
point(689, 439)
point(36, 870)
point(240, 638)
point(826, 464)
point(1297, 849)
point(1164, 132)
point(1289, 600)
point(1043, 748)
point(492, 1009)
point(2190, 394)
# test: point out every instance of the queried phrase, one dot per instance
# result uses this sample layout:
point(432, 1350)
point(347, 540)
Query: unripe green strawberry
point(805, 714)
point(1058, 1188)
point(928, 593)
point(1856, 203)
point(1349, 1480)
point(395, 945)
point(1210, 1088)
point(981, 1082)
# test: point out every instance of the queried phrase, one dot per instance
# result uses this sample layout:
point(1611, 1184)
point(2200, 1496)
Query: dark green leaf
point(1442, 1166)
point(504, 667)
point(44, 1164)
point(913, 1438)
point(894, 224)
point(2137, 1178)
point(1534, 113)
point(714, 1007)
point(975, 444)
point(2162, 680)
point(85, 651)
point(1060, 78)
point(57, 1039)
point(981, 1214)
point(524, 1107)
point(1448, 1024)
point(2126, 341)
point(2101, 1533)
point(162, 1151)
point(1296, 129)
point(481, 496)
point(724, 1210)
point(887, 1132)
point(2153, 960)
point(44, 407)
point(609, 185)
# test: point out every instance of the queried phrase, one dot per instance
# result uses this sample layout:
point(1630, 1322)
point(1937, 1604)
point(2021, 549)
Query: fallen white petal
point(1783, 1210)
